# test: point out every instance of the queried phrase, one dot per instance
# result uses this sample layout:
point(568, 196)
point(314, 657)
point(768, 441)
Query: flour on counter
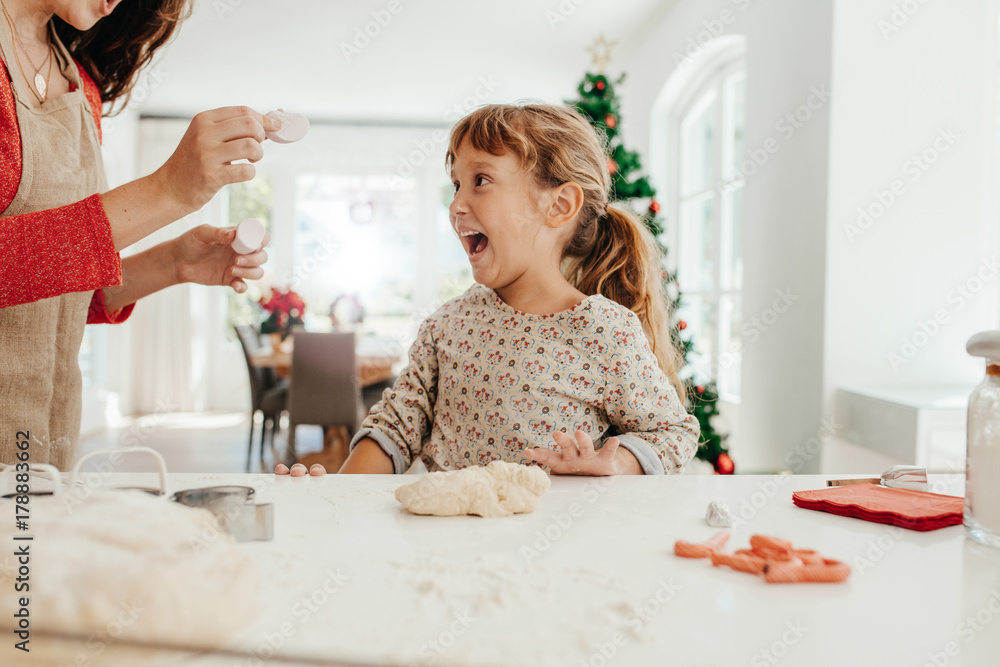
point(128, 565)
point(499, 489)
point(564, 610)
point(493, 584)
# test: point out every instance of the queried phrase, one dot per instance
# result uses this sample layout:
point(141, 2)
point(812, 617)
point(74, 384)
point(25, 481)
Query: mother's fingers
point(249, 273)
point(255, 258)
point(226, 113)
point(240, 127)
point(238, 173)
point(240, 149)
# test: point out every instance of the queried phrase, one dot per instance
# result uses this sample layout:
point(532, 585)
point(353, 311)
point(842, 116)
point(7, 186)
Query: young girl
point(564, 339)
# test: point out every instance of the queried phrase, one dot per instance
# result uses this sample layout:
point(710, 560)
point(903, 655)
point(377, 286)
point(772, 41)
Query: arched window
point(701, 152)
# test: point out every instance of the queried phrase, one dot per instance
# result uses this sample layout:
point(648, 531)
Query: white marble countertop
point(591, 579)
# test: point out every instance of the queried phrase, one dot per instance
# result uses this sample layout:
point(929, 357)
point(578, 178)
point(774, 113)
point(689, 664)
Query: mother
point(60, 61)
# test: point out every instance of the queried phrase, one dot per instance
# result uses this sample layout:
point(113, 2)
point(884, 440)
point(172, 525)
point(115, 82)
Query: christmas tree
point(598, 103)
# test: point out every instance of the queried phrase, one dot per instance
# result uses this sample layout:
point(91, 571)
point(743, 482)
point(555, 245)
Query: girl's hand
point(299, 470)
point(579, 457)
point(205, 256)
point(203, 161)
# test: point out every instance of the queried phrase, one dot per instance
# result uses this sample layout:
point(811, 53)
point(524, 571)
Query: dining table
point(590, 579)
point(377, 359)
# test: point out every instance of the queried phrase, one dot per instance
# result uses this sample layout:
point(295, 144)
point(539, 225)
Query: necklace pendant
point(40, 85)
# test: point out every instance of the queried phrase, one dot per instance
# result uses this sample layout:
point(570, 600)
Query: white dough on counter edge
point(114, 565)
point(499, 489)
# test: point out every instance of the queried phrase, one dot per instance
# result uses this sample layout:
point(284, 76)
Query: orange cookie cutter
point(770, 556)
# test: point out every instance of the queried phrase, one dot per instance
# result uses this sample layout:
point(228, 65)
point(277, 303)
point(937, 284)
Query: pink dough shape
point(294, 126)
point(249, 236)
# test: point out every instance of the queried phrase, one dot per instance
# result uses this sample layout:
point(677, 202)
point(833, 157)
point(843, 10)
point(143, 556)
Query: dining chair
point(324, 389)
point(268, 393)
point(372, 394)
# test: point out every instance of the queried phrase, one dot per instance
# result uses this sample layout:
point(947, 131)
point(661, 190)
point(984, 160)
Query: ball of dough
point(499, 489)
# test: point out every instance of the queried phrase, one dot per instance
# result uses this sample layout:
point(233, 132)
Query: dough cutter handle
point(161, 465)
point(35, 467)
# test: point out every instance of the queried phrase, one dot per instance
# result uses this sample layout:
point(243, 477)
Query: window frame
point(714, 81)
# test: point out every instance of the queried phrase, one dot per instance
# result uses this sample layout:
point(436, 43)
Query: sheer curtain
point(177, 334)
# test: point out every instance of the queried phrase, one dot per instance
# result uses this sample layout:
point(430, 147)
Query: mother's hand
point(204, 255)
point(203, 161)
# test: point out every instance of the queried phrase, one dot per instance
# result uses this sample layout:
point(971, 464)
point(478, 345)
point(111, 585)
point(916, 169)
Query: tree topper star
point(601, 50)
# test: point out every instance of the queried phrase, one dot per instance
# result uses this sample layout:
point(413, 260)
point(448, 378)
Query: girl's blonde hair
point(610, 251)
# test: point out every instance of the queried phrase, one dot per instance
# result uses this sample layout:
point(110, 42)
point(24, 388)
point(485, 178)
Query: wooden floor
point(207, 442)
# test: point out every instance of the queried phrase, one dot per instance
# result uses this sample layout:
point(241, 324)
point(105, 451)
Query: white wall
point(787, 53)
point(859, 294)
point(921, 90)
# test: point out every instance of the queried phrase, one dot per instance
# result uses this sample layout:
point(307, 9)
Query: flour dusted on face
point(499, 489)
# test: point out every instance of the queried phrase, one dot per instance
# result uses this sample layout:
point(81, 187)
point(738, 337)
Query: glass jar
point(982, 464)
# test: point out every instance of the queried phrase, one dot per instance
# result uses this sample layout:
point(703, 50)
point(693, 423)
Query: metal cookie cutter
point(161, 468)
point(234, 508)
point(905, 477)
point(896, 477)
point(56, 479)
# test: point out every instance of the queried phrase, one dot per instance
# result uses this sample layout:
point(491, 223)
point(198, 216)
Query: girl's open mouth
point(476, 244)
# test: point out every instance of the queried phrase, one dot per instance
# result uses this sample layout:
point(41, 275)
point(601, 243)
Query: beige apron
point(40, 380)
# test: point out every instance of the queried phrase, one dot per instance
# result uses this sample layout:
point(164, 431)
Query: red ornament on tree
point(612, 166)
point(700, 389)
point(599, 85)
point(654, 206)
point(724, 465)
point(609, 121)
point(682, 325)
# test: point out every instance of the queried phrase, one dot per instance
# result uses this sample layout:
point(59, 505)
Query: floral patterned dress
point(485, 381)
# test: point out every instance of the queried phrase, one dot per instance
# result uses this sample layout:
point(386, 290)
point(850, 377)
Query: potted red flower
point(285, 309)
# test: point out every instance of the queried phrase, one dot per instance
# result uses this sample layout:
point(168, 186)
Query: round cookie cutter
point(234, 509)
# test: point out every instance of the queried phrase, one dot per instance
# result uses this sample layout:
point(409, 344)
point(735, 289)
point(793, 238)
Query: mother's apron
point(40, 380)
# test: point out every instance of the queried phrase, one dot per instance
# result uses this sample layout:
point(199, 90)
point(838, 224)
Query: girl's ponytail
point(618, 258)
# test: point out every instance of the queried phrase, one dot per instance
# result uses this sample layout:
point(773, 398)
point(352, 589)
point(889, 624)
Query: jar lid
point(985, 344)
